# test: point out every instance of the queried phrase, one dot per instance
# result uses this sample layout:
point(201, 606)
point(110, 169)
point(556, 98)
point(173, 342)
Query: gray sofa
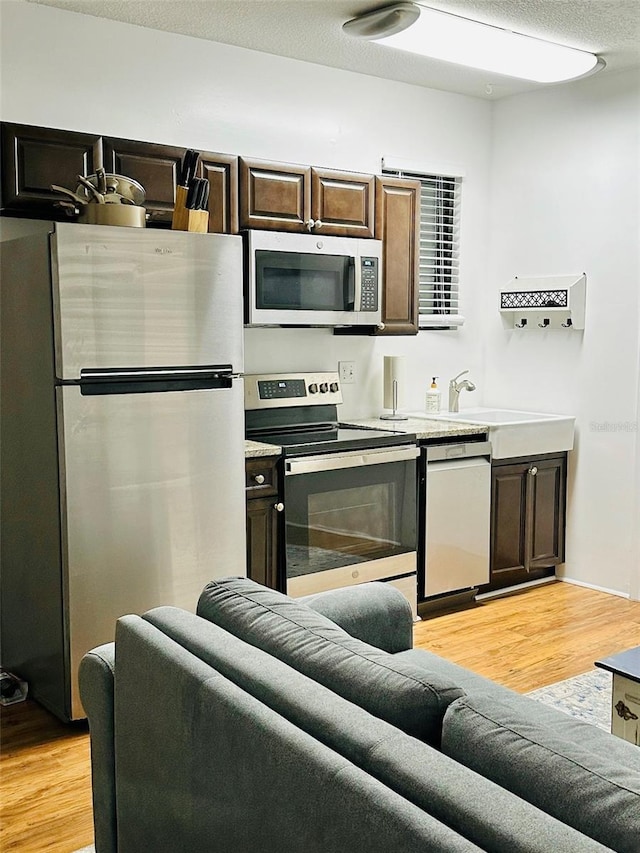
point(271, 725)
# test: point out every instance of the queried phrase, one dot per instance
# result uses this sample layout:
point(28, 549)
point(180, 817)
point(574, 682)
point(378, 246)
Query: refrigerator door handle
point(148, 380)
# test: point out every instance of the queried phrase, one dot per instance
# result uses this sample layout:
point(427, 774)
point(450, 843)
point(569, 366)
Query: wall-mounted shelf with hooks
point(547, 302)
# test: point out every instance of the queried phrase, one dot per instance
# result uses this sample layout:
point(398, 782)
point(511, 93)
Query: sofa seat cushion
point(406, 696)
point(592, 785)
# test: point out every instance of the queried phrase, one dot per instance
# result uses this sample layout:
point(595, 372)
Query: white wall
point(182, 91)
point(566, 199)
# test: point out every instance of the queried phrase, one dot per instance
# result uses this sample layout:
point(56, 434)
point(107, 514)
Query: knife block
point(188, 220)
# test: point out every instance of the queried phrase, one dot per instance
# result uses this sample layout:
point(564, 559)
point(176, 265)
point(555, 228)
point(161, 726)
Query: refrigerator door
point(153, 504)
point(131, 297)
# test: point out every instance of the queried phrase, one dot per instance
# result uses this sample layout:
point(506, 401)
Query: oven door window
point(294, 281)
point(342, 518)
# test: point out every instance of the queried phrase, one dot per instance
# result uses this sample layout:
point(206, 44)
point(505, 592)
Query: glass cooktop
point(326, 440)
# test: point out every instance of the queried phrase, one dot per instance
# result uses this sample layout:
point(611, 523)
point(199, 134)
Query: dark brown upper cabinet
point(33, 158)
point(398, 226)
point(286, 197)
point(342, 203)
point(156, 167)
point(274, 196)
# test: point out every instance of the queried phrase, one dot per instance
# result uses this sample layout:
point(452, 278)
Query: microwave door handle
point(353, 285)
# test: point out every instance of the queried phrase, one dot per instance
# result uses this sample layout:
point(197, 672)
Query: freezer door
point(153, 504)
point(132, 297)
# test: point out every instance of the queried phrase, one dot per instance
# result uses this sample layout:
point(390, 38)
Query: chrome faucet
point(455, 388)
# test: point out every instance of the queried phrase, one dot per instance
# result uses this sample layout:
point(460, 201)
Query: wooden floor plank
point(536, 637)
point(523, 641)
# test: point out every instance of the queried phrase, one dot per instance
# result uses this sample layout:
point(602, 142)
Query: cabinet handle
point(310, 223)
point(533, 471)
point(278, 507)
point(318, 223)
point(259, 478)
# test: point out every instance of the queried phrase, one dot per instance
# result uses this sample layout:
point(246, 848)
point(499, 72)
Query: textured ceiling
point(311, 30)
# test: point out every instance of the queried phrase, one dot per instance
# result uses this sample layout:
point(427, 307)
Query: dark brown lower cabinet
point(263, 521)
point(528, 500)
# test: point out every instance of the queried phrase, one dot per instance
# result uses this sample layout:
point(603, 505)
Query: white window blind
point(439, 299)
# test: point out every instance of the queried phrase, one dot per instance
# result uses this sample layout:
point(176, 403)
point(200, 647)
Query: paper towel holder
point(392, 369)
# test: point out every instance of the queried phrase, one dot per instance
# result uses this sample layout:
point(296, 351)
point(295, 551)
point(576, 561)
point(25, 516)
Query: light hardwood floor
point(524, 641)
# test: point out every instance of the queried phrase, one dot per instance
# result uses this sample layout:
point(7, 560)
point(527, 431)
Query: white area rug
point(89, 849)
point(586, 696)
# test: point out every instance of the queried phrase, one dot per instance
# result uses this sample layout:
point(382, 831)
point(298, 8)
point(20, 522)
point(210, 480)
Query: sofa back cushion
point(592, 784)
point(404, 695)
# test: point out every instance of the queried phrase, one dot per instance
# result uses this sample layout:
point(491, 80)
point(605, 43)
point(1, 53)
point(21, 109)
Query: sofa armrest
point(96, 680)
point(376, 613)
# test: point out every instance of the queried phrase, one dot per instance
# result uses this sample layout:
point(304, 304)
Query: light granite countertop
point(424, 428)
point(255, 449)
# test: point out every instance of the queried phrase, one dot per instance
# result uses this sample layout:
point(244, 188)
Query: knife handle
point(192, 194)
point(202, 188)
point(204, 205)
point(192, 165)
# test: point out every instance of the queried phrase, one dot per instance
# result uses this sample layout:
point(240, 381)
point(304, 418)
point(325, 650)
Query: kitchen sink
point(516, 433)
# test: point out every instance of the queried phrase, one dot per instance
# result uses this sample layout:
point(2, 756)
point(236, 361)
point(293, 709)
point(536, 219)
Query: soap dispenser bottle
point(432, 397)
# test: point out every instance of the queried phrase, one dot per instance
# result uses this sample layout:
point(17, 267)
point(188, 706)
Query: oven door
point(349, 518)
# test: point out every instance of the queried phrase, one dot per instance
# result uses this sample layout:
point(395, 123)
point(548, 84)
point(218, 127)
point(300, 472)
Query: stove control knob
point(324, 388)
point(333, 387)
point(313, 388)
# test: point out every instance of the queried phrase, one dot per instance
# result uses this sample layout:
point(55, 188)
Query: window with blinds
point(439, 249)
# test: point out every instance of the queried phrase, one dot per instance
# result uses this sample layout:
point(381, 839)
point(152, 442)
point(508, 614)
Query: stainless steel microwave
point(310, 280)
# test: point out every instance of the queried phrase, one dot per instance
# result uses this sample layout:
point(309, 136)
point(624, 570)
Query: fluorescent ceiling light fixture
point(440, 35)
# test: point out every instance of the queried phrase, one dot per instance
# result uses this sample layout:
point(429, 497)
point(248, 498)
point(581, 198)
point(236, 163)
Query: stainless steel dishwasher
point(456, 506)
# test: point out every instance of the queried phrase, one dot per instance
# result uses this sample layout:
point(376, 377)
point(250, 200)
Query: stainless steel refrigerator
point(122, 437)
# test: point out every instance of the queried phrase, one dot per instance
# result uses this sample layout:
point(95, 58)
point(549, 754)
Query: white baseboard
point(595, 586)
point(518, 587)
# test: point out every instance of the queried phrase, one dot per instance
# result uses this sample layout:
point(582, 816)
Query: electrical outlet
point(347, 372)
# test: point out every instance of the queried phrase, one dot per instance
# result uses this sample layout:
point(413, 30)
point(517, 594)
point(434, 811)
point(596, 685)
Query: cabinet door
point(398, 226)
point(343, 202)
point(33, 158)
point(154, 166)
point(274, 196)
point(528, 499)
point(221, 170)
point(261, 484)
point(546, 485)
point(508, 517)
point(262, 541)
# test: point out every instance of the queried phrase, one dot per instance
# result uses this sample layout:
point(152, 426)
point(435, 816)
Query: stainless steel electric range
point(349, 492)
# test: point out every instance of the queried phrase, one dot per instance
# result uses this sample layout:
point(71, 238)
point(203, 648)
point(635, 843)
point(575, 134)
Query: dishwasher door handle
point(462, 450)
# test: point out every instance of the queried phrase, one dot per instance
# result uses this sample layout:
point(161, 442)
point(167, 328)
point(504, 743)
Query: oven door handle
point(356, 459)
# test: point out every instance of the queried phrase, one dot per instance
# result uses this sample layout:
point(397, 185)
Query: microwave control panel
point(368, 284)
